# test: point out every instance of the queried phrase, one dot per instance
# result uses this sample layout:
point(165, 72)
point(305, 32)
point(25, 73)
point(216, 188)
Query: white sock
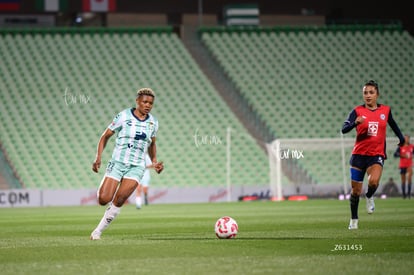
point(110, 214)
point(138, 201)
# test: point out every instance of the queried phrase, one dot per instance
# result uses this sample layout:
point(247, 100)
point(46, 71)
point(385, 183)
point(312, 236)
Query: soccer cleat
point(353, 224)
point(95, 236)
point(370, 205)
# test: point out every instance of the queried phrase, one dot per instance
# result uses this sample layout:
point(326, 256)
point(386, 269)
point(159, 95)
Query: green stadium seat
point(316, 73)
point(109, 68)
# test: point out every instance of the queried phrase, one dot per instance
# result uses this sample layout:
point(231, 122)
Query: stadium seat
point(316, 76)
point(50, 74)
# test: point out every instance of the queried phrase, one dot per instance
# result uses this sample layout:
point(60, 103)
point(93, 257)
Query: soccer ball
point(226, 228)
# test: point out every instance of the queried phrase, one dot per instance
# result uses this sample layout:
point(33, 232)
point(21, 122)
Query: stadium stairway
point(61, 88)
point(311, 77)
point(57, 87)
point(254, 122)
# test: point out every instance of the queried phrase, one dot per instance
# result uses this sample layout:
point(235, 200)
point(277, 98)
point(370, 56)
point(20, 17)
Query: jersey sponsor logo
point(372, 128)
point(140, 136)
point(381, 160)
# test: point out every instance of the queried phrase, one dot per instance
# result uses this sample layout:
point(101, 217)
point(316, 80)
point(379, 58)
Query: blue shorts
point(403, 171)
point(363, 162)
point(118, 170)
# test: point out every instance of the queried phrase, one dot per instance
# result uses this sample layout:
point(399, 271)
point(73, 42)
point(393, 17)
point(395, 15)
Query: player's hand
point(359, 120)
point(158, 167)
point(96, 165)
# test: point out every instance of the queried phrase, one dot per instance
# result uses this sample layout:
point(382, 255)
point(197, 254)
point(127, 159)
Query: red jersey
point(371, 134)
point(406, 155)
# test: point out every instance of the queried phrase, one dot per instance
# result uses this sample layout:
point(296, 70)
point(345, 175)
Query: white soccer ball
point(226, 228)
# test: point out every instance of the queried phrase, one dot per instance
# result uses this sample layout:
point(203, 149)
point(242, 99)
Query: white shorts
point(118, 170)
point(146, 178)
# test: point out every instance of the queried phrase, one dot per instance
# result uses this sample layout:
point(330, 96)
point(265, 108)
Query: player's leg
point(374, 173)
point(107, 190)
point(403, 172)
point(129, 180)
point(374, 176)
point(105, 194)
point(145, 191)
point(357, 178)
point(409, 178)
point(138, 198)
point(126, 188)
point(124, 191)
point(128, 185)
point(145, 183)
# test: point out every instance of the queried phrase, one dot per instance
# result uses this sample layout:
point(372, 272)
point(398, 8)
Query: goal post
point(320, 162)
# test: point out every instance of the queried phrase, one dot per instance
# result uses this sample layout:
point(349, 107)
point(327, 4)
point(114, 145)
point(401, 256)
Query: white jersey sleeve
point(116, 123)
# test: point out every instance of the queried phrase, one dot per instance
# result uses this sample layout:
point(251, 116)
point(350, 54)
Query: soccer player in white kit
point(142, 188)
point(136, 130)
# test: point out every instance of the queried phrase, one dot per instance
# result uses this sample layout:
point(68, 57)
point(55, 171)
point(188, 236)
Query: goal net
point(318, 166)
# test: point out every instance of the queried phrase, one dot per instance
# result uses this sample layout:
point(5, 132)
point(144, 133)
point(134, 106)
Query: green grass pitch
point(289, 237)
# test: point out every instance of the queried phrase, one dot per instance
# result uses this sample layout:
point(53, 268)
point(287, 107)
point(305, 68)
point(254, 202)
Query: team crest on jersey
point(382, 116)
point(151, 126)
point(372, 128)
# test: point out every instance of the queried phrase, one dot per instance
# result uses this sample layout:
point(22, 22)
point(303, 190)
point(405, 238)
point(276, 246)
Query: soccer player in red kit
point(405, 153)
point(368, 154)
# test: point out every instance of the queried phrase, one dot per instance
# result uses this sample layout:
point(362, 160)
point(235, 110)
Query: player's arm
point(101, 146)
point(351, 122)
point(397, 152)
point(152, 152)
point(396, 129)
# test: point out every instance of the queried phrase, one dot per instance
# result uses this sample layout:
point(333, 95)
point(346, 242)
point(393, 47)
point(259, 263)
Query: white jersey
point(133, 136)
point(147, 175)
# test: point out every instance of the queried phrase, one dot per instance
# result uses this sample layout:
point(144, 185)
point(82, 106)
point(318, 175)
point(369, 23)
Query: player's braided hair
point(145, 91)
